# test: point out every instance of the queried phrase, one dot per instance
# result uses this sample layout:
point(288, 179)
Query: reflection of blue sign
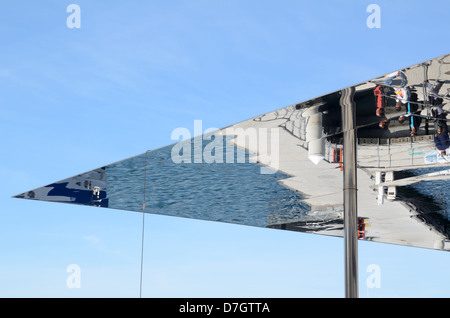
point(87, 188)
point(434, 157)
point(79, 196)
point(431, 157)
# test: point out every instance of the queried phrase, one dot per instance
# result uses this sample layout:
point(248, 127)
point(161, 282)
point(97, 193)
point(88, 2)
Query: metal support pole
point(350, 192)
point(425, 94)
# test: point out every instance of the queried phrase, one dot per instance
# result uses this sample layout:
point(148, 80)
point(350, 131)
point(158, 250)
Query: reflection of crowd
point(406, 100)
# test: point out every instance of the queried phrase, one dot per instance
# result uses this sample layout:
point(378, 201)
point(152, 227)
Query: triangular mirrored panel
point(283, 169)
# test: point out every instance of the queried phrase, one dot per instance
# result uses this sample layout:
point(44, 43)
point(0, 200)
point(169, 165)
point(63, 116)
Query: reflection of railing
point(286, 114)
point(297, 127)
point(283, 113)
point(394, 152)
point(295, 123)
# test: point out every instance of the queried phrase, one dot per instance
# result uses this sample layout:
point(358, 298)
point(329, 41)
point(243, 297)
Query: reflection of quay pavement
point(391, 222)
point(321, 184)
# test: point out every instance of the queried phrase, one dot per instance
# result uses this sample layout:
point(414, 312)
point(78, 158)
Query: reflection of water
point(226, 192)
point(433, 194)
point(439, 193)
point(431, 198)
point(125, 182)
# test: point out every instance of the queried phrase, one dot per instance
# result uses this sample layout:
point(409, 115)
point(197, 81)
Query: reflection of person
point(402, 97)
point(413, 130)
point(379, 112)
point(410, 109)
point(383, 124)
point(412, 114)
point(433, 96)
point(380, 100)
point(439, 115)
point(414, 121)
point(441, 140)
point(391, 76)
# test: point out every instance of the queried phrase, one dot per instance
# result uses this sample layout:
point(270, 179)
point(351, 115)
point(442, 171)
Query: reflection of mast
point(314, 134)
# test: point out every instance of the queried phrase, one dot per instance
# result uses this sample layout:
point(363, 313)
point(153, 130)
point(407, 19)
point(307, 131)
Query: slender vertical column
point(143, 224)
point(350, 192)
point(425, 94)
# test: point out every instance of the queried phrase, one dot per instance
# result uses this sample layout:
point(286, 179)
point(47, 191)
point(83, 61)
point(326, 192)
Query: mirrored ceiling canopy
point(283, 169)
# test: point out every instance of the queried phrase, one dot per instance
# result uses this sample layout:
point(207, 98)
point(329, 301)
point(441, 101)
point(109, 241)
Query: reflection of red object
point(377, 93)
point(337, 157)
point(361, 228)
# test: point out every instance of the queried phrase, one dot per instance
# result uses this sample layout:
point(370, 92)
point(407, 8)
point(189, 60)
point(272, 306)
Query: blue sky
point(72, 100)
